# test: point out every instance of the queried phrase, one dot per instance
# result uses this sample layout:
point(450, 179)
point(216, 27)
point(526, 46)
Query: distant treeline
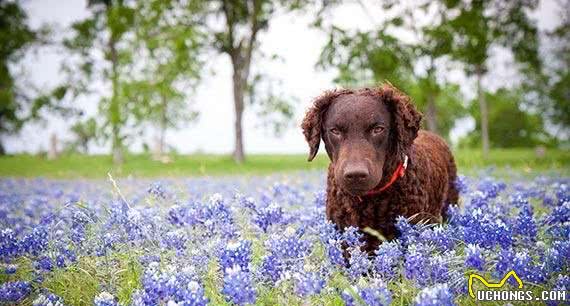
point(143, 60)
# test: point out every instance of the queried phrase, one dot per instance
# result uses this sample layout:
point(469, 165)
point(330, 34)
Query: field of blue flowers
point(266, 241)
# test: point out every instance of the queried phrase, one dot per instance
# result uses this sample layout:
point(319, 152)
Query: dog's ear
point(405, 117)
point(312, 123)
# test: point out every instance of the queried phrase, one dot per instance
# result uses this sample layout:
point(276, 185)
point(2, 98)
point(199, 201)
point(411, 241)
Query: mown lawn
point(141, 165)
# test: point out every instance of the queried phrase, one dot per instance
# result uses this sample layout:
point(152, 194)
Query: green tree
point(171, 45)
point(242, 22)
point(556, 102)
point(511, 125)
point(16, 37)
point(361, 58)
point(101, 54)
point(84, 133)
point(480, 25)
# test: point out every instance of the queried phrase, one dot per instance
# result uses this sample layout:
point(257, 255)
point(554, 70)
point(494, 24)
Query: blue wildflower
point(359, 263)
point(105, 299)
point(236, 253)
point(438, 295)
point(157, 190)
point(8, 244)
point(374, 294)
point(309, 283)
point(238, 288)
point(267, 216)
point(14, 291)
point(474, 257)
point(47, 299)
point(388, 260)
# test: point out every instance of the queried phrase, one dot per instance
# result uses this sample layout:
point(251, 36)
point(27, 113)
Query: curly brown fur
point(425, 190)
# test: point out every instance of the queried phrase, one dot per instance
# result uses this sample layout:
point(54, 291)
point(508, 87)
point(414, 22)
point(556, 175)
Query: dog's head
point(366, 132)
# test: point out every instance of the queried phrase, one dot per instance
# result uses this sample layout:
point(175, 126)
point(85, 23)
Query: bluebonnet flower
point(490, 187)
point(388, 259)
point(271, 268)
point(177, 215)
point(309, 283)
point(289, 247)
point(35, 242)
point(524, 224)
point(14, 291)
point(352, 237)
point(335, 254)
point(479, 200)
point(519, 200)
point(47, 299)
point(562, 282)
point(79, 222)
point(238, 288)
point(236, 253)
point(320, 198)
point(560, 214)
point(179, 287)
point(348, 298)
point(374, 294)
point(461, 184)
point(474, 257)
point(11, 269)
point(563, 194)
point(157, 190)
point(504, 262)
point(439, 236)
point(526, 270)
point(8, 243)
point(284, 254)
point(438, 295)
point(485, 230)
point(247, 202)
point(438, 269)
point(105, 299)
point(408, 234)
point(359, 263)
point(268, 216)
point(417, 263)
point(45, 263)
point(175, 240)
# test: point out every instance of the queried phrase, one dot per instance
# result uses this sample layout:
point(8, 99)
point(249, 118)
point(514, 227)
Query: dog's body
point(370, 135)
point(430, 164)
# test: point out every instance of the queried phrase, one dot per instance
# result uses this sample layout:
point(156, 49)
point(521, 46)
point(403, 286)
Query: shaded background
point(301, 49)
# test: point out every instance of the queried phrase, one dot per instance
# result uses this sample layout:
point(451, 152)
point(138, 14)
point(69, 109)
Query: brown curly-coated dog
point(382, 166)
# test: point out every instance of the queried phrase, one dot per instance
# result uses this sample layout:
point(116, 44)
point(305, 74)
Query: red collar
point(400, 170)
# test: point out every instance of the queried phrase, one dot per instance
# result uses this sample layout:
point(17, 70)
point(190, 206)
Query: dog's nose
point(356, 173)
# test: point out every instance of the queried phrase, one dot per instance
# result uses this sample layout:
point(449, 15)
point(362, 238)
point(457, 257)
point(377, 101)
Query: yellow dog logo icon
point(492, 285)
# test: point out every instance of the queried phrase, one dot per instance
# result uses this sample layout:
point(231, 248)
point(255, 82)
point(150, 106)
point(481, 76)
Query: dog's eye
point(335, 131)
point(378, 129)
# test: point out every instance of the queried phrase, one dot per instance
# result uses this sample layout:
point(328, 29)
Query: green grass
point(97, 166)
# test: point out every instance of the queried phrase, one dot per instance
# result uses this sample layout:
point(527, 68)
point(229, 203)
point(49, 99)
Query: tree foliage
point(379, 55)
point(511, 125)
point(238, 37)
point(15, 36)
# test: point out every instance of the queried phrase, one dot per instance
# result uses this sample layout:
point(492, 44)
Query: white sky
point(289, 37)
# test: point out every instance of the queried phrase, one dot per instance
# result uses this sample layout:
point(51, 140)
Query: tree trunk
point(431, 113)
point(240, 55)
point(239, 87)
point(52, 152)
point(2, 149)
point(114, 108)
point(163, 123)
point(484, 114)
